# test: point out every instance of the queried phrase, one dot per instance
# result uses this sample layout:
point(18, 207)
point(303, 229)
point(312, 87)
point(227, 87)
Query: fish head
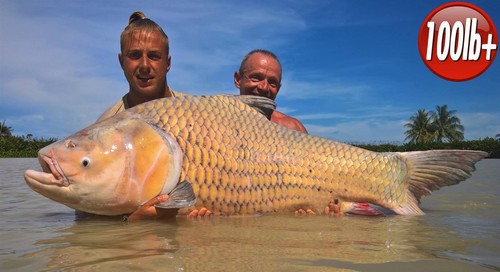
point(109, 168)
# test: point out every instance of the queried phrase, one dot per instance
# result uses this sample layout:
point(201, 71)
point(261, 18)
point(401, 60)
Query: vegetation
point(440, 129)
point(438, 126)
point(5, 131)
point(419, 128)
point(489, 144)
point(20, 146)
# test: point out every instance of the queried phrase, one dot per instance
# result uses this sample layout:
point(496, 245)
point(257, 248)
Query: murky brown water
point(460, 232)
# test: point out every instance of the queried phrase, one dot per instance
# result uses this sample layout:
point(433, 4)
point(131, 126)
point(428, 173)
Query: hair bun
point(137, 15)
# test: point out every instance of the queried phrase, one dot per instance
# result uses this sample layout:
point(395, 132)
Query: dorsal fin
point(263, 105)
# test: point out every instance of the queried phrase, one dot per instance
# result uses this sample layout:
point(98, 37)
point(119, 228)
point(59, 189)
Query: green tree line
point(20, 146)
point(488, 144)
point(439, 129)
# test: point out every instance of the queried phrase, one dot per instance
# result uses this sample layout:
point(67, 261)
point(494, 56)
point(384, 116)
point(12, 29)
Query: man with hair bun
point(145, 61)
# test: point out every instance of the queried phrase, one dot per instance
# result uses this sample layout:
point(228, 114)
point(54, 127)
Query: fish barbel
point(236, 161)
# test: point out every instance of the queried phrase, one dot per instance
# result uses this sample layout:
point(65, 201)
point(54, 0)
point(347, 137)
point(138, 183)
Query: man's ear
point(169, 60)
point(237, 79)
point(120, 59)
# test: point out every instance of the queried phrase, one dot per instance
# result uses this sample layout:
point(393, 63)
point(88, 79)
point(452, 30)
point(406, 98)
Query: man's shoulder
point(287, 121)
point(278, 115)
point(119, 106)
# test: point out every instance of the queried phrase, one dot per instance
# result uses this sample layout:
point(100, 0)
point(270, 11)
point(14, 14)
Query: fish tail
point(430, 170)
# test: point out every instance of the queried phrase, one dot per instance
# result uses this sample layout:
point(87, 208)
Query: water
point(460, 232)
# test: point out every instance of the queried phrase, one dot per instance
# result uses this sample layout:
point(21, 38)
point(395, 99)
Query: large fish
point(234, 160)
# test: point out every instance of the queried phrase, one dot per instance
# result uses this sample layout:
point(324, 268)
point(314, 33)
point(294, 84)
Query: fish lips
point(52, 173)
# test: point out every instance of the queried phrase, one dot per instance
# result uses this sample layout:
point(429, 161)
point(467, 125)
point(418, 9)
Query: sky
point(351, 69)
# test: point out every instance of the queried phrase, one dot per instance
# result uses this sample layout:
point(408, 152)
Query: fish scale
point(243, 164)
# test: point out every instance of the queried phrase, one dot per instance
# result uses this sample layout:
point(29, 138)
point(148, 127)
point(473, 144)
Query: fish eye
point(86, 162)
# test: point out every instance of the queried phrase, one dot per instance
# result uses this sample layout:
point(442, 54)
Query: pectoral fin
point(181, 196)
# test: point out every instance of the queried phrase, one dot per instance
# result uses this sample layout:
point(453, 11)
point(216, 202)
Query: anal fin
point(364, 209)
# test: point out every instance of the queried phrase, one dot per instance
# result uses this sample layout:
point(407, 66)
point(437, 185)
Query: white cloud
point(326, 87)
point(362, 131)
point(480, 124)
point(366, 129)
point(62, 66)
point(49, 65)
point(59, 68)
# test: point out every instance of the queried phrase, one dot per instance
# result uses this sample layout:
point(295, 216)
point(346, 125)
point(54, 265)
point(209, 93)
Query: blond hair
point(139, 22)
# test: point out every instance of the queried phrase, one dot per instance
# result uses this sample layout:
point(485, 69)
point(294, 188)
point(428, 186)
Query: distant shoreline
point(17, 147)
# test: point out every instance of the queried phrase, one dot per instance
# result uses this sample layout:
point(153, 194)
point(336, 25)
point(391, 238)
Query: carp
point(220, 153)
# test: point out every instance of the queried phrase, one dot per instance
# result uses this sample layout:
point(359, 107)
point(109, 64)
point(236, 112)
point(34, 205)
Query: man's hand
point(149, 212)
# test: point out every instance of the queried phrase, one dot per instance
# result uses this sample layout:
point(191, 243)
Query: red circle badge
point(458, 41)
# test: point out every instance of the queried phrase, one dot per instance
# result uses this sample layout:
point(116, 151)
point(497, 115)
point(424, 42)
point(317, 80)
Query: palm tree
point(419, 127)
point(5, 131)
point(446, 125)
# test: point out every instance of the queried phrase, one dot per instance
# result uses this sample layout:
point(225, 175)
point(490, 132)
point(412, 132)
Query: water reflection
point(244, 244)
point(106, 244)
point(459, 233)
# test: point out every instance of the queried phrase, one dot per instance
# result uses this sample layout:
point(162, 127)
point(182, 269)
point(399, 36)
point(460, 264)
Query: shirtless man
point(260, 74)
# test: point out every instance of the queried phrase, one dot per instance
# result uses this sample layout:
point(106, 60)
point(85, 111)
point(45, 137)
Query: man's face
point(145, 63)
point(261, 76)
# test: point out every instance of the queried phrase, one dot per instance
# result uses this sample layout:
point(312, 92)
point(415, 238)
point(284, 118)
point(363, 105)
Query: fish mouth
point(52, 172)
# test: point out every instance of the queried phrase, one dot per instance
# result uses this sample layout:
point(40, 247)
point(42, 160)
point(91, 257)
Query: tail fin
point(430, 170)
